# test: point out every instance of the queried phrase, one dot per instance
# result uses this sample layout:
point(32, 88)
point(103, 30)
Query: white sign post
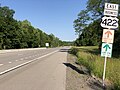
point(106, 52)
point(108, 35)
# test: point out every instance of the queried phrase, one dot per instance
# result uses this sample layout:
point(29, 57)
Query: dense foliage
point(21, 34)
point(87, 25)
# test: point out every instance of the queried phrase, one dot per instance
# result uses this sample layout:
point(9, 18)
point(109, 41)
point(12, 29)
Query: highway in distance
point(35, 69)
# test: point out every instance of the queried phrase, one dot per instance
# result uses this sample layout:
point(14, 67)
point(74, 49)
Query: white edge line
point(13, 68)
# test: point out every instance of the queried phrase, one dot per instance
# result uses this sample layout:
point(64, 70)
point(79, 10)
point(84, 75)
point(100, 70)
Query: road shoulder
point(78, 78)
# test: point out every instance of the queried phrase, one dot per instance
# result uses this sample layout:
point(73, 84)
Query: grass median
point(90, 57)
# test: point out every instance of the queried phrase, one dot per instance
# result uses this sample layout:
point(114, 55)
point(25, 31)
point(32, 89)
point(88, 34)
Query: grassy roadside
point(90, 57)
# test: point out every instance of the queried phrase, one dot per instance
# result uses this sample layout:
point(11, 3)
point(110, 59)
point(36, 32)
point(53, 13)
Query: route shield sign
point(106, 50)
point(109, 22)
point(108, 36)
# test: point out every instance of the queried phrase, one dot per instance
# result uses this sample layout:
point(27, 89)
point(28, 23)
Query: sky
point(51, 16)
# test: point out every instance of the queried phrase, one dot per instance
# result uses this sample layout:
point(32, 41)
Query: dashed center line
point(1, 64)
point(22, 58)
point(25, 63)
point(9, 62)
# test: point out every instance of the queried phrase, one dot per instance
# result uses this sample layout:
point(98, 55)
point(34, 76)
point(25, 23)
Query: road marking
point(9, 62)
point(1, 64)
point(23, 64)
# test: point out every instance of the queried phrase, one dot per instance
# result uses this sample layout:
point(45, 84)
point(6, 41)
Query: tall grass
point(89, 57)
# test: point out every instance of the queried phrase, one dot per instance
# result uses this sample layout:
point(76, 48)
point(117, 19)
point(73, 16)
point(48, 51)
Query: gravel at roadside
point(78, 78)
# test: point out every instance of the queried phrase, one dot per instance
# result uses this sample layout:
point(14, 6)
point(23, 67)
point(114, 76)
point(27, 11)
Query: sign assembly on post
point(110, 22)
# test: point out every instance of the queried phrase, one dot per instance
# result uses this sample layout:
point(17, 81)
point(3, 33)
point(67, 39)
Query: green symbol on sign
point(106, 47)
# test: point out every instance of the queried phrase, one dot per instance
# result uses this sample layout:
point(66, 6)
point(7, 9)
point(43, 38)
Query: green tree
point(96, 7)
point(8, 29)
point(91, 34)
point(81, 22)
point(21, 34)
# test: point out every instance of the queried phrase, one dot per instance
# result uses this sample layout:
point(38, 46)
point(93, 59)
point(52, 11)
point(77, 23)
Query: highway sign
point(110, 13)
point(108, 36)
point(47, 44)
point(109, 22)
point(111, 6)
point(106, 50)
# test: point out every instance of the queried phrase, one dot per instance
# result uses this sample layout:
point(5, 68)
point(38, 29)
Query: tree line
point(21, 34)
point(87, 24)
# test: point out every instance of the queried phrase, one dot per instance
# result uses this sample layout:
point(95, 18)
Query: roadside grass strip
point(90, 57)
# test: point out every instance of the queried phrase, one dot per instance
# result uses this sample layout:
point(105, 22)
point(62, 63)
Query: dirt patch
point(78, 78)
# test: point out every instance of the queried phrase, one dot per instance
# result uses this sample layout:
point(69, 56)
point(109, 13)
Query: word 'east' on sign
point(111, 6)
point(111, 9)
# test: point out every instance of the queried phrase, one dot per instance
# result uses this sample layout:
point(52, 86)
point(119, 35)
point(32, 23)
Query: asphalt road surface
point(39, 69)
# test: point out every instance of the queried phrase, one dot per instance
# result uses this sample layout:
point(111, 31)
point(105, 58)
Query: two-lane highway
point(11, 59)
point(41, 69)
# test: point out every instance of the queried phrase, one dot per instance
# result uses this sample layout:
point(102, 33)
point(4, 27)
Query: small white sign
point(108, 36)
point(109, 22)
point(47, 44)
point(111, 6)
point(106, 50)
point(110, 13)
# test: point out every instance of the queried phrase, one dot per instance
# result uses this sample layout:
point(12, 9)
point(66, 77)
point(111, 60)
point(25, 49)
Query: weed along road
point(37, 69)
